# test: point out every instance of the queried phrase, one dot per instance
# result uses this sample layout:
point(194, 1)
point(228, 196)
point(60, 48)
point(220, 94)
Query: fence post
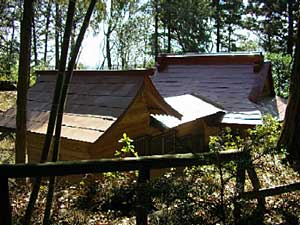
point(240, 187)
point(5, 208)
point(261, 208)
point(142, 198)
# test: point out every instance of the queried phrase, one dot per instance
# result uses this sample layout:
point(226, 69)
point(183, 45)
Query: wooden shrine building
point(198, 85)
point(100, 107)
point(171, 109)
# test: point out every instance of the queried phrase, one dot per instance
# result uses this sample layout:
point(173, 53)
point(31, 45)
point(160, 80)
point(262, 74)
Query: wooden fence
point(143, 165)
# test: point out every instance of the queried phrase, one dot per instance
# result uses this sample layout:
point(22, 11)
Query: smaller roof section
point(210, 59)
point(191, 108)
point(95, 101)
point(235, 82)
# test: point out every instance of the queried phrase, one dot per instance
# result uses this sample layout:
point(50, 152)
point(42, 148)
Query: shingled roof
point(235, 83)
point(95, 101)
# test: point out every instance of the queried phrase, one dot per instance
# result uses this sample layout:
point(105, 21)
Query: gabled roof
point(234, 82)
point(96, 99)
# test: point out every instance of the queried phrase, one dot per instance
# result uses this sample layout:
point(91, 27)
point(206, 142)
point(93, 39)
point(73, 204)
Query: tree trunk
point(291, 128)
point(290, 40)
point(54, 108)
point(73, 35)
point(57, 31)
point(48, 13)
point(23, 77)
point(169, 37)
point(11, 47)
point(229, 38)
point(218, 26)
point(156, 29)
point(56, 146)
point(34, 43)
point(108, 53)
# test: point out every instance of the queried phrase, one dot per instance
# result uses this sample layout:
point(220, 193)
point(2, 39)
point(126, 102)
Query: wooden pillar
point(5, 208)
point(142, 197)
point(261, 202)
point(240, 188)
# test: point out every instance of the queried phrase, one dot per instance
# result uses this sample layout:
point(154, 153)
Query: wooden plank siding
point(135, 123)
point(70, 149)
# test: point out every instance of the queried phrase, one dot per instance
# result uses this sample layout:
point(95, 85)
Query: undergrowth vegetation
point(199, 195)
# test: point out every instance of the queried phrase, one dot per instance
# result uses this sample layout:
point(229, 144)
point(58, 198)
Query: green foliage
point(281, 71)
point(261, 139)
point(225, 141)
point(10, 12)
point(113, 196)
point(190, 25)
point(190, 199)
point(247, 44)
point(228, 18)
point(173, 201)
point(270, 21)
point(127, 149)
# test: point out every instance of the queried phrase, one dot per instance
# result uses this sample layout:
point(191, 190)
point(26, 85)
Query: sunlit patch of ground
point(7, 100)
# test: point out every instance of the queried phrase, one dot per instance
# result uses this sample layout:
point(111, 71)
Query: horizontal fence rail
point(64, 168)
point(143, 164)
point(265, 192)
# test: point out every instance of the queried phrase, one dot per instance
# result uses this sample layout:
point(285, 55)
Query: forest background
point(129, 34)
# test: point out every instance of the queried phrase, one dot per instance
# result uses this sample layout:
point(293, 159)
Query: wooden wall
point(70, 149)
point(135, 123)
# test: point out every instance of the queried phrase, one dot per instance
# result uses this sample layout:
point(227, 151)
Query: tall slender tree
point(188, 26)
point(273, 21)
point(61, 107)
point(227, 18)
point(57, 33)
point(23, 79)
point(10, 13)
point(47, 24)
point(217, 17)
point(54, 108)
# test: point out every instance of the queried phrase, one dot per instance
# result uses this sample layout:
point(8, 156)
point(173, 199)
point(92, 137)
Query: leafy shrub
point(175, 201)
point(116, 192)
point(127, 148)
point(281, 71)
point(262, 139)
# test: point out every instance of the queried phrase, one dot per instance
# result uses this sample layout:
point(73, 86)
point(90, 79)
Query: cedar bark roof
point(94, 103)
point(235, 82)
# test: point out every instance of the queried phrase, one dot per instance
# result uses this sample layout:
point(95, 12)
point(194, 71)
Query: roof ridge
point(135, 72)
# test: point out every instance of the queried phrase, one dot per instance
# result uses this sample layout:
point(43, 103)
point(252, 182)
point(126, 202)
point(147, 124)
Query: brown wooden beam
point(277, 190)
point(240, 187)
point(135, 72)
point(143, 199)
point(64, 168)
point(5, 208)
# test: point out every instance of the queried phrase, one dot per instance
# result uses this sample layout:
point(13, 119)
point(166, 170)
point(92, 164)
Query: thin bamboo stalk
point(61, 107)
point(54, 107)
